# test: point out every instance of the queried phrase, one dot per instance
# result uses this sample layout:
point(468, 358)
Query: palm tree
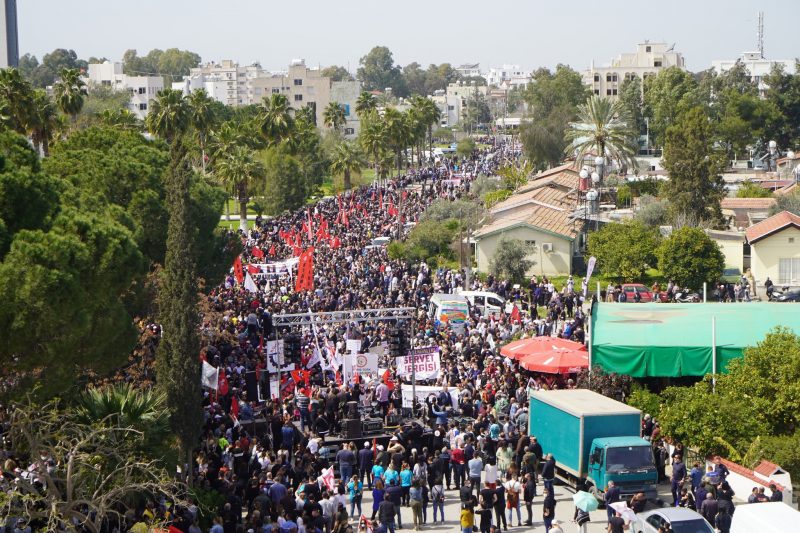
point(201, 117)
point(429, 114)
point(334, 116)
point(307, 114)
point(347, 160)
point(276, 119)
point(16, 100)
point(44, 121)
point(398, 131)
point(69, 91)
point(604, 128)
point(365, 104)
point(374, 139)
point(236, 170)
point(121, 118)
point(169, 115)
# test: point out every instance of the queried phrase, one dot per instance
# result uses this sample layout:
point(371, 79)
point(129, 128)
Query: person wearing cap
point(365, 457)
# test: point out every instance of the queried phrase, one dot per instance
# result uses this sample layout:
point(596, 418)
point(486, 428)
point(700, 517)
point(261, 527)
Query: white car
point(680, 519)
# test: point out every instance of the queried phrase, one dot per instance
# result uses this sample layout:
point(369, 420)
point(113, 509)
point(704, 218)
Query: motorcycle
point(686, 297)
point(774, 294)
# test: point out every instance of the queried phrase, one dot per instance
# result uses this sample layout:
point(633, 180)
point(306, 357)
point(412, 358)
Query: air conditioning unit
point(547, 247)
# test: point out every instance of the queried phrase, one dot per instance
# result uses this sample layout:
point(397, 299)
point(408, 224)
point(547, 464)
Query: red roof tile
point(772, 225)
point(746, 472)
point(766, 468)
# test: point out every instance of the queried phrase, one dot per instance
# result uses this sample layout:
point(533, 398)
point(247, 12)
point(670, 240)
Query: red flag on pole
point(256, 251)
point(235, 408)
point(272, 250)
point(387, 378)
point(222, 384)
point(253, 269)
point(310, 225)
point(238, 272)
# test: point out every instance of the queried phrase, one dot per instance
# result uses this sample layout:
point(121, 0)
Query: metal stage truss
point(334, 317)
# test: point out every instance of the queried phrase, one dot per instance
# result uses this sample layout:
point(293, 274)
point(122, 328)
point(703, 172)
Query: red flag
point(381, 203)
point(305, 271)
point(515, 315)
point(238, 273)
point(310, 225)
point(338, 378)
point(253, 269)
point(297, 376)
point(222, 383)
point(336, 243)
point(387, 378)
point(235, 408)
point(256, 251)
point(272, 250)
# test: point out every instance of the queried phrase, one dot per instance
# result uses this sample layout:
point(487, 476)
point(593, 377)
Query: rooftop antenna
point(761, 34)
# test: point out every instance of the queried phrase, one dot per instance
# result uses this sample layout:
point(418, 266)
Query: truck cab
point(627, 461)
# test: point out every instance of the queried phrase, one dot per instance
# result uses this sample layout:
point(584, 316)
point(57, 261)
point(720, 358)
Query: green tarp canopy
point(671, 340)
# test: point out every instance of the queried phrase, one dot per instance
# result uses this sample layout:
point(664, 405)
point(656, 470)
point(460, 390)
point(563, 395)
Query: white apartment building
point(469, 70)
point(143, 89)
point(756, 65)
point(508, 76)
point(648, 60)
point(226, 82)
point(453, 102)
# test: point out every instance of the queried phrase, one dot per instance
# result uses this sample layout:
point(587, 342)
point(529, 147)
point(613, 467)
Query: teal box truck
point(594, 440)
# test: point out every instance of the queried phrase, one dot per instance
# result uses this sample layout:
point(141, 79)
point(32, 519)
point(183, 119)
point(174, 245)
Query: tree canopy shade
point(624, 250)
point(667, 95)
point(690, 258)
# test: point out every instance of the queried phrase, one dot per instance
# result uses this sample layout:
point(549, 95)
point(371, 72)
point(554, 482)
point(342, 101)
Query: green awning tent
point(671, 340)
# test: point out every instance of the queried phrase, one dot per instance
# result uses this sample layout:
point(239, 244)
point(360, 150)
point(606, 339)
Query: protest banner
point(423, 391)
point(424, 362)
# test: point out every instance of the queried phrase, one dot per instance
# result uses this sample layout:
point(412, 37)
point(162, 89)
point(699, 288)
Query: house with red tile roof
point(775, 249)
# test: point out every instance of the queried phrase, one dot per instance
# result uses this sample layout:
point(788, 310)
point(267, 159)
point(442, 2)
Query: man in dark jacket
point(386, 513)
point(549, 472)
point(678, 477)
point(394, 493)
point(612, 495)
point(365, 456)
point(528, 493)
point(709, 508)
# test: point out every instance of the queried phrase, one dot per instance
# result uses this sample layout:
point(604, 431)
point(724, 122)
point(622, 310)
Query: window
point(597, 91)
point(613, 92)
point(298, 98)
point(494, 301)
point(142, 90)
point(657, 63)
point(298, 82)
point(479, 300)
point(648, 49)
point(530, 243)
point(451, 108)
point(608, 92)
point(349, 131)
point(597, 77)
point(791, 240)
point(608, 77)
point(106, 82)
point(275, 90)
point(142, 107)
point(788, 271)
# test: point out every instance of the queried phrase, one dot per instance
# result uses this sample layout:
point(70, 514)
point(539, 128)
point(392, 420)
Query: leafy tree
point(428, 241)
point(44, 74)
point(466, 212)
point(98, 475)
point(465, 147)
point(690, 257)
point(515, 176)
point(172, 64)
point(69, 92)
point(784, 93)
point(652, 211)
point(347, 160)
point(99, 100)
point(786, 202)
point(379, 72)
point(552, 98)
point(282, 189)
point(337, 73)
point(612, 385)
point(630, 94)
point(510, 260)
point(648, 402)
point(695, 185)
point(743, 120)
point(476, 111)
point(624, 250)
point(666, 96)
point(415, 79)
point(438, 77)
point(603, 127)
point(748, 189)
point(334, 116)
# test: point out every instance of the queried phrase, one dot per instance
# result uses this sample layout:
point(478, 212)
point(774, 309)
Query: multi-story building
point(469, 70)
point(756, 65)
point(234, 85)
point(508, 75)
point(9, 41)
point(143, 89)
point(452, 102)
point(648, 60)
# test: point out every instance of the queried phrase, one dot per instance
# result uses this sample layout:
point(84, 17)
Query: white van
point(768, 517)
point(488, 303)
point(452, 309)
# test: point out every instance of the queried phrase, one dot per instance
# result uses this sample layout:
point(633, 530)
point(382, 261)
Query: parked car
point(731, 275)
point(792, 295)
point(679, 520)
point(631, 288)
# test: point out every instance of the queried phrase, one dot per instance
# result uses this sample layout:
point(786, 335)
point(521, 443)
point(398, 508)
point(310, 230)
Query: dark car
point(792, 295)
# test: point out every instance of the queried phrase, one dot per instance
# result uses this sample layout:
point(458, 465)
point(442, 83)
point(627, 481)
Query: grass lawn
point(650, 276)
point(234, 224)
point(233, 206)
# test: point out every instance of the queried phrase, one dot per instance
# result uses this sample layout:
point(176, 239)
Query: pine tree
point(178, 365)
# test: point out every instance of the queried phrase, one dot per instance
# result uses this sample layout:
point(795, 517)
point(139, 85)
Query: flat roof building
point(648, 60)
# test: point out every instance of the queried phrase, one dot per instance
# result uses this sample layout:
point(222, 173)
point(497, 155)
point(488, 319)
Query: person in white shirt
point(490, 473)
point(513, 497)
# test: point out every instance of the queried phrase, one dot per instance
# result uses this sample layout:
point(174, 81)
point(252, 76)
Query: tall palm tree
point(16, 100)
point(121, 118)
point(69, 91)
point(307, 114)
point(334, 116)
point(276, 119)
point(201, 117)
point(374, 139)
point(429, 114)
point(398, 131)
point(44, 121)
point(347, 160)
point(365, 104)
point(605, 128)
point(237, 170)
point(169, 115)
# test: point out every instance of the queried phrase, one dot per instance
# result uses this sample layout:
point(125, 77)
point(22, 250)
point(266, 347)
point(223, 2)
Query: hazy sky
point(531, 33)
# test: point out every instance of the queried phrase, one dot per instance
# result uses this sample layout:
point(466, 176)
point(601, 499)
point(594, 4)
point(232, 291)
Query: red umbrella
point(556, 361)
point(521, 348)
